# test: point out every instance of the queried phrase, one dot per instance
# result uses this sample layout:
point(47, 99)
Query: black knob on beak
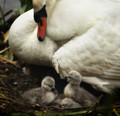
point(39, 14)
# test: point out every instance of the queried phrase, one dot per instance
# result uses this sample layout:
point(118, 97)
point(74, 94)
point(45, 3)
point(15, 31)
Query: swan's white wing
point(94, 54)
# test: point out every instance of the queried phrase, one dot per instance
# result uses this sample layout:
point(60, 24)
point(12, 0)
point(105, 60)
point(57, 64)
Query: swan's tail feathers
point(105, 85)
point(104, 88)
point(113, 72)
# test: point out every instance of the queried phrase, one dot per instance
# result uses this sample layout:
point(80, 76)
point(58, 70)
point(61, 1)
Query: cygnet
point(69, 103)
point(43, 95)
point(77, 93)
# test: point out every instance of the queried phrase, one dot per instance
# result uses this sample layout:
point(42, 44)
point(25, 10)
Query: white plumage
point(81, 35)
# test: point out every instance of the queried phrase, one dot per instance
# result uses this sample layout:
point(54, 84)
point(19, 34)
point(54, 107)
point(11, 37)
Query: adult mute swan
point(80, 35)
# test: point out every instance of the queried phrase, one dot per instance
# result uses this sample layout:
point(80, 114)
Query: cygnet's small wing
point(84, 97)
point(32, 94)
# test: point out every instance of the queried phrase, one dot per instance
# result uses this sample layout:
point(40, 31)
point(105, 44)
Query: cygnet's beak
point(63, 78)
point(54, 91)
point(62, 106)
point(40, 18)
point(68, 79)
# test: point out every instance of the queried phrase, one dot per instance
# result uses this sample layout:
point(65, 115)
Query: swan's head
point(74, 77)
point(38, 4)
point(48, 84)
point(40, 17)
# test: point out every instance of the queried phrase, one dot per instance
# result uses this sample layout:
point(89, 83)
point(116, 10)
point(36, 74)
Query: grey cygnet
point(77, 93)
point(43, 95)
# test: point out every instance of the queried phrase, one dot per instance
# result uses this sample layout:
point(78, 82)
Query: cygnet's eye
point(47, 84)
point(72, 79)
point(69, 77)
point(50, 86)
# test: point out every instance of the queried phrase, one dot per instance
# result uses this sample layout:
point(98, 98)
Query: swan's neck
point(49, 6)
point(25, 43)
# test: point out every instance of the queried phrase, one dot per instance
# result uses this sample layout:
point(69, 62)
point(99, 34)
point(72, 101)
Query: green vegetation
point(25, 6)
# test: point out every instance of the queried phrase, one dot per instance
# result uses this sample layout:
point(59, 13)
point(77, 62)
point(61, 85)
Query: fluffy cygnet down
point(44, 95)
point(69, 103)
point(57, 101)
point(75, 92)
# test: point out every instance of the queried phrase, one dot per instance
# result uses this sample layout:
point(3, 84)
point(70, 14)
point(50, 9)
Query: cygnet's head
point(66, 102)
point(74, 77)
point(48, 84)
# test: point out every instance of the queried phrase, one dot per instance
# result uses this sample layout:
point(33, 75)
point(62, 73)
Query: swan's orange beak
point(42, 28)
point(40, 18)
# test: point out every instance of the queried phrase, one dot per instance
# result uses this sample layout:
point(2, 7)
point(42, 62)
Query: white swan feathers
point(81, 35)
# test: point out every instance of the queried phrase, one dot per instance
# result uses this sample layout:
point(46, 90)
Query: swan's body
point(81, 35)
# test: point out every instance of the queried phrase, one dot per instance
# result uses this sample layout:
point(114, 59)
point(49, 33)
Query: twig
point(114, 110)
point(78, 108)
point(4, 50)
point(9, 61)
point(116, 106)
point(3, 76)
point(4, 88)
point(97, 101)
point(3, 101)
point(3, 96)
point(75, 113)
